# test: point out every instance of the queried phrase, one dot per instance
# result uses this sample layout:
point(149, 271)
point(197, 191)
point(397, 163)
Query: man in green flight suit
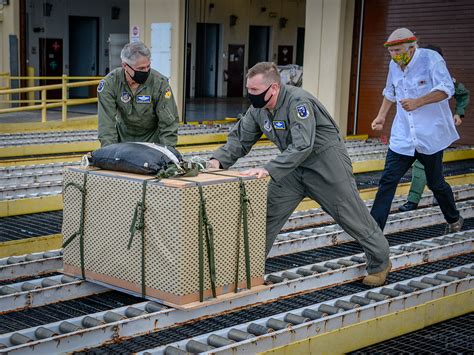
point(136, 103)
point(313, 162)
point(418, 176)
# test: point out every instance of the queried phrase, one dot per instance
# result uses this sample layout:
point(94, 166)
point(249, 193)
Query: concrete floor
point(196, 110)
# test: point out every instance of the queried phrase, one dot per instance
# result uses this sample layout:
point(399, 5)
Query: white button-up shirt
point(430, 128)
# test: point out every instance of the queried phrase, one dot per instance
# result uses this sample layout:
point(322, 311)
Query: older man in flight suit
point(136, 103)
point(313, 162)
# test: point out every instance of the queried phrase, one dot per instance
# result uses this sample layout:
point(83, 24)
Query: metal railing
point(43, 103)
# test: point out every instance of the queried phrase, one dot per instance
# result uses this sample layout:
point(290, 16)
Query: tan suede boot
point(377, 279)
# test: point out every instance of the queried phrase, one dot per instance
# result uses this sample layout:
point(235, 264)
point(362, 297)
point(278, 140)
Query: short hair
point(268, 70)
point(131, 52)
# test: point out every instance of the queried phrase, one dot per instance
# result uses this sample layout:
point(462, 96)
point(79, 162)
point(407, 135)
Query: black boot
point(408, 206)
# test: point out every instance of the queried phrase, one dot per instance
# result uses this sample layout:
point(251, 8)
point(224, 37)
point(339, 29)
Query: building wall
point(56, 26)
point(448, 25)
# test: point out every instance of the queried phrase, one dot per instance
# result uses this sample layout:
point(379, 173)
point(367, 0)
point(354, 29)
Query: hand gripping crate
point(178, 240)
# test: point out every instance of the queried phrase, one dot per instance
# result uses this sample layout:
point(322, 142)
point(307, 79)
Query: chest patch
point(302, 111)
point(280, 125)
point(267, 125)
point(143, 99)
point(125, 97)
point(168, 94)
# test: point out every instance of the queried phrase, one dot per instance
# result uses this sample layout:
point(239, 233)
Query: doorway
point(83, 51)
point(259, 44)
point(51, 63)
point(207, 50)
point(235, 70)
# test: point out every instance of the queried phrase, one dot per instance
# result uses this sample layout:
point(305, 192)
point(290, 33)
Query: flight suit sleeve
point(168, 118)
point(461, 95)
point(107, 110)
point(240, 140)
point(302, 126)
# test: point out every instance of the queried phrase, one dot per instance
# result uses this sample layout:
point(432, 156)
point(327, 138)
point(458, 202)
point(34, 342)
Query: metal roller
point(376, 296)
point(258, 329)
point(44, 333)
point(275, 279)
point(152, 307)
point(7, 290)
point(67, 327)
point(33, 257)
point(332, 265)
point(89, 322)
point(28, 286)
point(390, 292)
point(131, 312)
point(346, 305)
point(361, 300)
point(404, 288)
point(50, 282)
point(110, 317)
point(18, 339)
point(290, 275)
point(217, 341)
point(330, 310)
point(194, 346)
point(312, 314)
point(305, 272)
point(277, 324)
point(295, 319)
point(239, 335)
point(431, 281)
point(445, 278)
point(320, 268)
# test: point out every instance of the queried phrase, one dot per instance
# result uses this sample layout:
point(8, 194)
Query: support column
point(145, 12)
point(327, 54)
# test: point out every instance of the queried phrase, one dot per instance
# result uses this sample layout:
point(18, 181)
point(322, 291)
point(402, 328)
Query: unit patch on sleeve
point(101, 85)
point(302, 111)
point(267, 125)
point(143, 99)
point(168, 94)
point(279, 125)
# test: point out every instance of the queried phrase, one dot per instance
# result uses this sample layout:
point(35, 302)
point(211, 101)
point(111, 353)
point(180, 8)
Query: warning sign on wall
point(135, 34)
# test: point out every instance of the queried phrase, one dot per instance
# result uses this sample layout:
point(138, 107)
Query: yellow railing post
point(64, 97)
point(43, 105)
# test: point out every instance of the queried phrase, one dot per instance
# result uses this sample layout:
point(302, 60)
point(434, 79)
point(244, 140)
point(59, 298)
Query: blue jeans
point(396, 165)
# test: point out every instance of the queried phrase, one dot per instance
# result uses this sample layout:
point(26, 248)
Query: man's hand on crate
point(258, 172)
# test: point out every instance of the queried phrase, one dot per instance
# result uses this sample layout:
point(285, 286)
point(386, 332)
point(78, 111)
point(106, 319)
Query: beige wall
point(9, 25)
point(327, 56)
point(145, 12)
point(248, 13)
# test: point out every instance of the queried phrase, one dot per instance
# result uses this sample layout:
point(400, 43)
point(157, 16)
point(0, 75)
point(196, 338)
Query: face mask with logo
point(258, 101)
point(402, 58)
point(139, 76)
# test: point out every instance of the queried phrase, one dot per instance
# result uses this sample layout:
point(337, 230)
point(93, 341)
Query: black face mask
point(139, 76)
point(258, 101)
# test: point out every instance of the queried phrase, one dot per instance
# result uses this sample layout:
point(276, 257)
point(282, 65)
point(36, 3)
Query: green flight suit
point(313, 162)
point(418, 176)
point(147, 115)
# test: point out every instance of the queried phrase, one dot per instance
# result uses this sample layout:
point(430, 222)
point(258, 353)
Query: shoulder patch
point(101, 85)
point(168, 94)
point(302, 111)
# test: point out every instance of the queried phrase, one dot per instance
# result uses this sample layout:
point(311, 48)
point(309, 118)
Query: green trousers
point(418, 182)
point(327, 178)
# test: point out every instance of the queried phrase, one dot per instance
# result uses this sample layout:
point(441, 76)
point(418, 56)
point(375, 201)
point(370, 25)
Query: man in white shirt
point(420, 85)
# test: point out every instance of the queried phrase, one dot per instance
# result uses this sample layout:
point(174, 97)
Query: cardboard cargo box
point(173, 256)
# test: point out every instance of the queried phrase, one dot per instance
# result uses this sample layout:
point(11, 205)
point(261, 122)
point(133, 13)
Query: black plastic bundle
point(138, 158)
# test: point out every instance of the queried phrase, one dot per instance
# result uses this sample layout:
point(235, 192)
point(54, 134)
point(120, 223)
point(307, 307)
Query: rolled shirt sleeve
point(240, 140)
point(302, 129)
point(107, 110)
point(442, 81)
point(389, 90)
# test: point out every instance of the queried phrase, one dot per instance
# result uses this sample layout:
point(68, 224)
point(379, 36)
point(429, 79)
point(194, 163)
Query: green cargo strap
point(82, 189)
point(205, 229)
point(243, 221)
point(243, 218)
point(138, 224)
